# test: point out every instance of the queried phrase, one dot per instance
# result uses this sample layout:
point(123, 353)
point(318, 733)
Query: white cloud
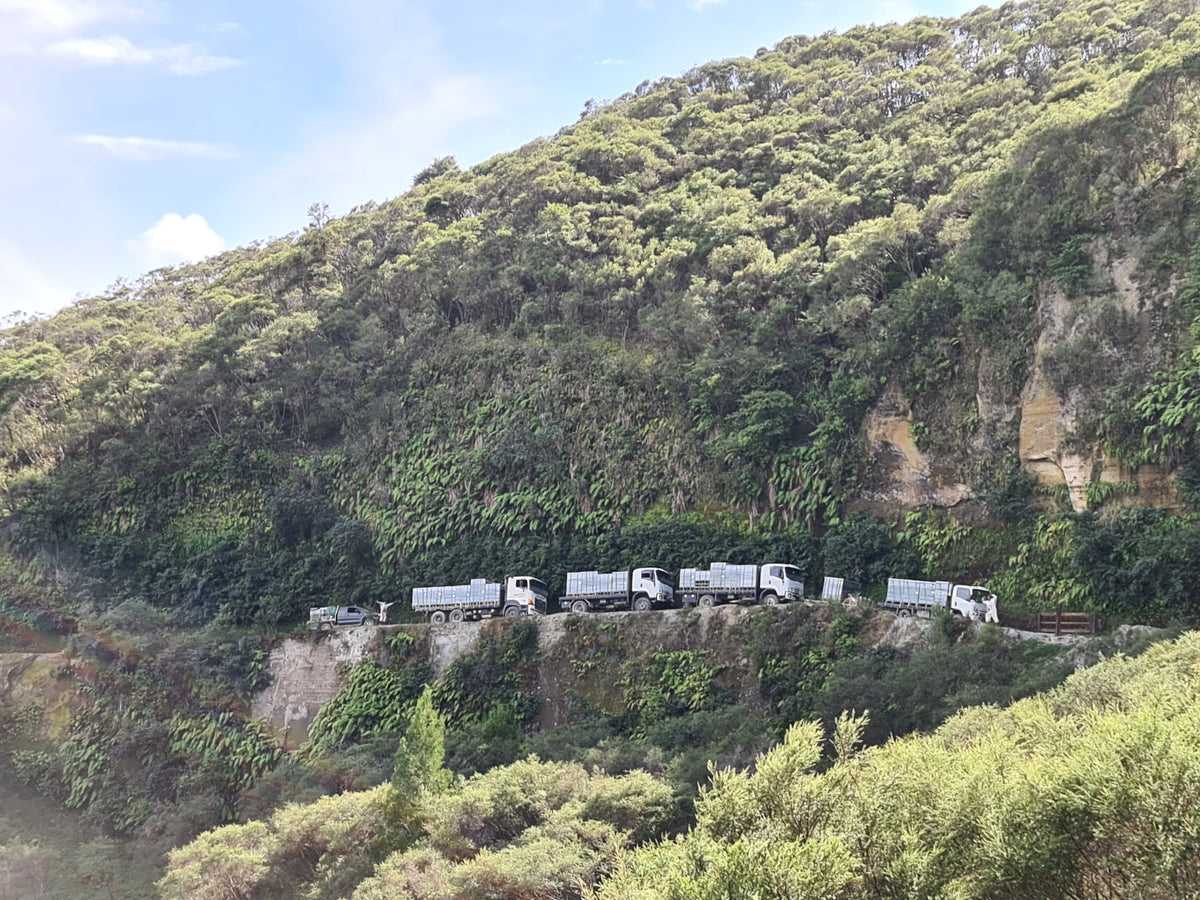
point(26, 290)
point(225, 29)
point(180, 59)
point(140, 149)
point(701, 4)
point(373, 154)
point(27, 25)
point(407, 104)
point(64, 15)
point(611, 61)
point(175, 238)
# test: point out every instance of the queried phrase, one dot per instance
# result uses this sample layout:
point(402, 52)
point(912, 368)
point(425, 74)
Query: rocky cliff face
point(306, 673)
point(903, 474)
point(1051, 422)
point(37, 696)
point(581, 660)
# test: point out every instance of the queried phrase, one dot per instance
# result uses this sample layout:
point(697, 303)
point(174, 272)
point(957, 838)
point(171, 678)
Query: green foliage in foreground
point(532, 829)
point(420, 760)
point(1089, 790)
point(673, 712)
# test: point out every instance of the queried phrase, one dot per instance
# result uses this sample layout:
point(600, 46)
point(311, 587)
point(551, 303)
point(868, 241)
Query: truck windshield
point(538, 586)
point(663, 577)
point(791, 573)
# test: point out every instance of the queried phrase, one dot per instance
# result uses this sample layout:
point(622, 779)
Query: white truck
point(520, 595)
point(723, 583)
point(326, 617)
point(908, 597)
point(637, 589)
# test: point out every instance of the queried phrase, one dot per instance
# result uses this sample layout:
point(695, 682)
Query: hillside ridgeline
point(944, 267)
point(916, 300)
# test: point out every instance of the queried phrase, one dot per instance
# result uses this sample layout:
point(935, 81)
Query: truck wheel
point(456, 615)
point(579, 607)
point(707, 601)
point(770, 599)
point(437, 617)
point(511, 612)
point(641, 604)
point(905, 613)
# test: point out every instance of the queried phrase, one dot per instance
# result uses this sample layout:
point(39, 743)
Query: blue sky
point(138, 133)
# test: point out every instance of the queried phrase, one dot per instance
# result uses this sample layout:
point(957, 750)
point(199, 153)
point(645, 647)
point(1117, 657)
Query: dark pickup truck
point(329, 616)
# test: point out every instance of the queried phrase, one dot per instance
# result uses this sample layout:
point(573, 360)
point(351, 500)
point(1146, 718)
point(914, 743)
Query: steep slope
point(945, 273)
point(1085, 790)
point(589, 667)
point(944, 263)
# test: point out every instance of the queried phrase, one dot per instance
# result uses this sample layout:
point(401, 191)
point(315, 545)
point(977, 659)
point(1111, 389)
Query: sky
point(141, 133)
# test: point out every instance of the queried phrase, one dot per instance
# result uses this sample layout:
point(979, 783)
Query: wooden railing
point(1059, 622)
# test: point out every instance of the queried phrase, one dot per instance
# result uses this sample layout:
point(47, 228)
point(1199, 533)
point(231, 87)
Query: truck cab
point(654, 584)
point(974, 602)
point(779, 582)
point(525, 595)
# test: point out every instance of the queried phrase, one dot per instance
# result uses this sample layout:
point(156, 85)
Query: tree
point(818, 208)
point(443, 165)
point(228, 863)
point(318, 216)
point(420, 761)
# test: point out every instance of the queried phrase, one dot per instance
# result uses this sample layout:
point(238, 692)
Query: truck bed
point(905, 592)
point(597, 584)
point(478, 594)
point(719, 577)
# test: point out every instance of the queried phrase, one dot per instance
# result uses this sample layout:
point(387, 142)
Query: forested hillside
point(735, 310)
point(912, 300)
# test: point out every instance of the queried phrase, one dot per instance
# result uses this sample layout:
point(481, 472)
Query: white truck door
point(518, 591)
point(644, 582)
point(963, 602)
point(772, 580)
point(524, 591)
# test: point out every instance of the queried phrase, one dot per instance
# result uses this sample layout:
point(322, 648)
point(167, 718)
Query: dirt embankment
point(583, 661)
point(306, 672)
point(36, 694)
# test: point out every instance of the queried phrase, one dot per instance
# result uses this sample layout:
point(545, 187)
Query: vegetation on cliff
point(143, 739)
point(684, 304)
point(660, 336)
point(1086, 790)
